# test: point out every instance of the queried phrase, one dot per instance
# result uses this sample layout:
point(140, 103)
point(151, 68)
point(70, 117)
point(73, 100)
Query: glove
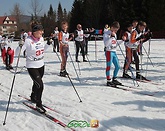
point(148, 35)
point(49, 41)
point(126, 40)
point(112, 47)
point(104, 48)
point(21, 42)
point(140, 37)
point(113, 34)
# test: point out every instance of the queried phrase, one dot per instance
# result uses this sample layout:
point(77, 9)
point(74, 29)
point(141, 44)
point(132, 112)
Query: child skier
point(55, 39)
point(7, 55)
point(64, 38)
point(126, 36)
point(110, 42)
point(136, 38)
point(35, 47)
point(79, 41)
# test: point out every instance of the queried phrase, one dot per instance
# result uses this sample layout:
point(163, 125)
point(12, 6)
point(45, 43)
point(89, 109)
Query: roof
point(3, 18)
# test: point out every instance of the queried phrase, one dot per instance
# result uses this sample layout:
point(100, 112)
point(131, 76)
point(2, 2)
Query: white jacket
point(34, 52)
point(110, 42)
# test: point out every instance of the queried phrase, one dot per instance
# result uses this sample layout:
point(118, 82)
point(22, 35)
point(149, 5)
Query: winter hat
point(129, 25)
point(37, 27)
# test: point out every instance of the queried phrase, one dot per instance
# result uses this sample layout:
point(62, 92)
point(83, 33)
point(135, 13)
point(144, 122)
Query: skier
point(126, 36)
point(7, 55)
point(110, 42)
point(134, 24)
point(136, 38)
point(145, 32)
point(64, 38)
point(106, 28)
point(79, 41)
point(24, 34)
point(35, 47)
point(55, 39)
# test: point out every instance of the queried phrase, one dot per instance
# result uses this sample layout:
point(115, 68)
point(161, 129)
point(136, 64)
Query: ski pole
point(58, 56)
point(149, 48)
point(79, 68)
point(56, 52)
point(88, 60)
point(141, 57)
point(12, 86)
point(75, 47)
point(74, 87)
point(148, 56)
point(21, 70)
point(129, 65)
point(95, 49)
point(74, 67)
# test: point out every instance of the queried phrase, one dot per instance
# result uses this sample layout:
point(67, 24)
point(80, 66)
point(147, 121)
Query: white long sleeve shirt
point(110, 42)
point(80, 36)
point(34, 52)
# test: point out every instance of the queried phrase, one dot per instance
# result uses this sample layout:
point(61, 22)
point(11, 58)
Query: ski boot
point(140, 77)
point(125, 75)
point(110, 83)
point(40, 108)
point(115, 81)
point(63, 73)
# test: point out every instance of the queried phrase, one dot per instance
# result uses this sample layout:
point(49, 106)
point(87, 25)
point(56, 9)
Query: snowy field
point(116, 110)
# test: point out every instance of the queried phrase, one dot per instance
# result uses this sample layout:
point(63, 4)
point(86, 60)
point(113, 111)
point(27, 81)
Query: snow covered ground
point(116, 110)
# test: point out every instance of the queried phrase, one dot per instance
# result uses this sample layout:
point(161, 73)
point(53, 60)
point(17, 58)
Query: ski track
point(116, 110)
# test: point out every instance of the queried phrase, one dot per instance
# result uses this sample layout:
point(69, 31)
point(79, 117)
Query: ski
point(49, 108)
point(133, 87)
point(13, 71)
point(150, 81)
point(50, 117)
point(144, 81)
point(121, 87)
point(62, 76)
point(20, 71)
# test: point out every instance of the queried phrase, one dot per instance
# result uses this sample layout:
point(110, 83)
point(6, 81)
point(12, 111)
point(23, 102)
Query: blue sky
point(7, 5)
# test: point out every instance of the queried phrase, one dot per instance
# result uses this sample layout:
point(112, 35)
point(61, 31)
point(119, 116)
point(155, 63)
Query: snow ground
point(116, 110)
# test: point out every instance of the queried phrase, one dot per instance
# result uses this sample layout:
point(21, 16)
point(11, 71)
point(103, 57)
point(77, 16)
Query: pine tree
point(156, 15)
point(92, 12)
point(65, 15)
point(49, 21)
point(76, 14)
point(59, 14)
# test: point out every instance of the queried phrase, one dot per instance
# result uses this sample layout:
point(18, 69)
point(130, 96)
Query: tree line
point(97, 13)
point(54, 18)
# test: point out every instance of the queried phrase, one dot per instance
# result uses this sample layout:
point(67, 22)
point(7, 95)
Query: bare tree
point(36, 8)
point(17, 13)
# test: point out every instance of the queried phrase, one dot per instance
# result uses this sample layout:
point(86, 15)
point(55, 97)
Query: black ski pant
point(7, 60)
point(86, 46)
point(136, 58)
point(80, 44)
point(36, 75)
point(56, 44)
